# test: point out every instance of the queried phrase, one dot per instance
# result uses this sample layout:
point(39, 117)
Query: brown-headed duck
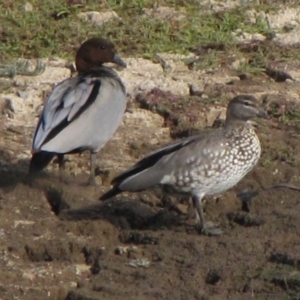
point(82, 112)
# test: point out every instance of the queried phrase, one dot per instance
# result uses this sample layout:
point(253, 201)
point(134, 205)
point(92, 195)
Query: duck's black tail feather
point(39, 161)
point(111, 193)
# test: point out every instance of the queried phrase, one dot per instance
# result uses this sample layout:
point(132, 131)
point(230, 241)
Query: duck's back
point(81, 113)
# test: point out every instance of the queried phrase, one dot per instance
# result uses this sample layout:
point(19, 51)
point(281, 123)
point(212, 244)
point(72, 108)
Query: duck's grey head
point(95, 52)
point(244, 108)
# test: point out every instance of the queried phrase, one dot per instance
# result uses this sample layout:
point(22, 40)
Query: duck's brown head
point(95, 52)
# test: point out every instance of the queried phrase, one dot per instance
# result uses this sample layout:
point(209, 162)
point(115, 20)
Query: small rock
point(58, 62)
point(22, 94)
point(215, 114)
point(167, 67)
point(214, 90)
point(251, 16)
point(16, 129)
point(28, 275)
point(81, 268)
point(73, 284)
point(238, 63)
point(125, 249)
point(241, 36)
point(183, 209)
point(194, 92)
point(23, 222)
point(143, 262)
point(164, 13)
point(14, 104)
point(99, 18)
point(279, 19)
point(28, 7)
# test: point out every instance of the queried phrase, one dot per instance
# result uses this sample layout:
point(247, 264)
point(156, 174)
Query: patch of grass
point(281, 152)
point(257, 55)
point(291, 118)
point(53, 28)
point(251, 68)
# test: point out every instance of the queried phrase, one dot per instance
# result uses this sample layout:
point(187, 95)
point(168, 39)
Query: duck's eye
point(102, 47)
point(247, 103)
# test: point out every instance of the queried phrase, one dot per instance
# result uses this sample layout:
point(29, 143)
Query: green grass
point(283, 152)
point(37, 34)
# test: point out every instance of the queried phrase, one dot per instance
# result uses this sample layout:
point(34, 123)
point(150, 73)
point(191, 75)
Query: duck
point(82, 112)
point(202, 165)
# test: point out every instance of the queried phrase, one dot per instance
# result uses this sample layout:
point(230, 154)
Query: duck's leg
point(201, 225)
point(92, 180)
point(61, 167)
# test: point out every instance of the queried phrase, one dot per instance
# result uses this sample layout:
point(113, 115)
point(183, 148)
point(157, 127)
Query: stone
point(99, 18)
point(164, 13)
point(28, 6)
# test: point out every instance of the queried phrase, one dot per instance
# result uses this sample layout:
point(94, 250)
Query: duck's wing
point(66, 102)
point(150, 160)
point(138, 177)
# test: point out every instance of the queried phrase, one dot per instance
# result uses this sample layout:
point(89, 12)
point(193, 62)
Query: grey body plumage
point(201, 165)
point(82, 112)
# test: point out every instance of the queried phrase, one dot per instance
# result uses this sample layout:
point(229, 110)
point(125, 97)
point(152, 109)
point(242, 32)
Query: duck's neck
point(232, 122)
point(84, 65)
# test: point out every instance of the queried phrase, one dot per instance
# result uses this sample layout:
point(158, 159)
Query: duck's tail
point(111, 193)
point(39, 161)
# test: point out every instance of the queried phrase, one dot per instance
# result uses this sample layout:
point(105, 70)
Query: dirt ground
point(57, 241)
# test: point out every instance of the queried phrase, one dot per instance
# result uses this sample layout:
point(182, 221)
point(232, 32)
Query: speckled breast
point(243, 156)
point(220, 168)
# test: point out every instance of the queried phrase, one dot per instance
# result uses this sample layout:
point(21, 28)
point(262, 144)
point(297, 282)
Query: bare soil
point(59, 242)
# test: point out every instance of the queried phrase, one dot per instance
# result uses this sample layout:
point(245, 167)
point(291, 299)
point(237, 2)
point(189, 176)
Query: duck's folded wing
point(66, 102)
point(142, 175)
point(153, 158)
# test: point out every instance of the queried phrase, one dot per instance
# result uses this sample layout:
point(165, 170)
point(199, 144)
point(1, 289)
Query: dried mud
point(59, 242)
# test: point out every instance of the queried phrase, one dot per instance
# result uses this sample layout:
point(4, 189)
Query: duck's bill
point(119, 61)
